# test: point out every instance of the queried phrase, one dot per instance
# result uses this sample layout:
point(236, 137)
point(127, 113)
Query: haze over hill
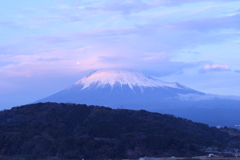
point(134, 90)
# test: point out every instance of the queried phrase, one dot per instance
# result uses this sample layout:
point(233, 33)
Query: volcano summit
point(114, 88)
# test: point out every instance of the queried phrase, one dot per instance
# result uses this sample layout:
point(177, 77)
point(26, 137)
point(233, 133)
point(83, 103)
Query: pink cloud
point(67, 62)
point(215, 67)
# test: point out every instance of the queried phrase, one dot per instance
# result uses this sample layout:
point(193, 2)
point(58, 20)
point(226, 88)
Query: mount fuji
point(134, 90)
point(115, 88)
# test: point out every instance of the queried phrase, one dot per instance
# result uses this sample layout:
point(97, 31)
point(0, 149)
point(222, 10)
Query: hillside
point(71, 131)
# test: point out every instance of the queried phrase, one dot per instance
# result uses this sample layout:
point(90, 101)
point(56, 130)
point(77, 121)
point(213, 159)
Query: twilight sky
point(47, 45)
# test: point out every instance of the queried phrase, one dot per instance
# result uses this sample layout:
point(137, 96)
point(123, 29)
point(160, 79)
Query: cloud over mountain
point(56, 39)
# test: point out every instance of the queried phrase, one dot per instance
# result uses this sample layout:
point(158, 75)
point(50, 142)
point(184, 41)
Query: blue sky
point(47, 45)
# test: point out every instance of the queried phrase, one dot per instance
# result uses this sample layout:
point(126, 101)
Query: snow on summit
point(123, 77)
point(120, 87)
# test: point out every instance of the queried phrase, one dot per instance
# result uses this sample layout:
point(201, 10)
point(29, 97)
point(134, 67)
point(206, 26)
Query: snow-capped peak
point(123, 77)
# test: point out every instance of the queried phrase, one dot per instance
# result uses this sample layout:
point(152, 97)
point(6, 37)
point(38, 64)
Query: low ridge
point(70, 131)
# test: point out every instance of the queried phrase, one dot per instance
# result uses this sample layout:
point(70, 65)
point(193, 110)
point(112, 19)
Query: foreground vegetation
point(70, 131)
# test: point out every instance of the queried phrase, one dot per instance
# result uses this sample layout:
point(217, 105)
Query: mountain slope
point(114, 88)
point(72, 131)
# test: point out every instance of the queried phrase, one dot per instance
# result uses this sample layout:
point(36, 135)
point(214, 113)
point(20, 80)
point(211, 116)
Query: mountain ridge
point(75, 131)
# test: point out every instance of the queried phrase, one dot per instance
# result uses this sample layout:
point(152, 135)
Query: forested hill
point(71, 131)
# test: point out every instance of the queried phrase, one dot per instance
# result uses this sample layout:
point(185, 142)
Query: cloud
point(11, 25)
point(197, 97)
point(146, 47)
point(49, 59)
point(86, 12)
point(179, 2)
point(210, 24)
point(63, 61)
point(153, 38)
point(126, 7)
point(237, 71)
point(157, 64)
point(132, 6)
point(150, 44)
point(51, 39)
point(215, 68)
point(111, 59)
